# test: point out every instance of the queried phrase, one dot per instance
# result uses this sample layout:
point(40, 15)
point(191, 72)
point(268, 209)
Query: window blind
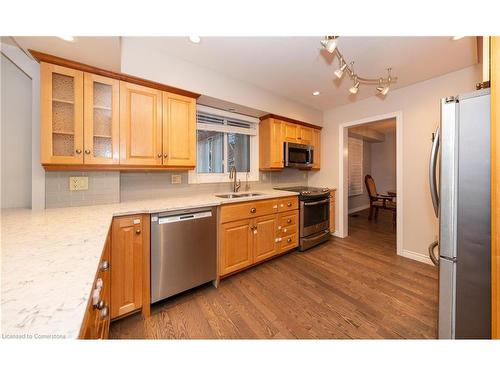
point(355, 159)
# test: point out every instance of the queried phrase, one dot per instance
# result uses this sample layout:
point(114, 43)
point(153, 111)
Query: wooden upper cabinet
point(61, 109)
point(305, 135)
point(101, 120)
point(265, 234)
point(235, 246)
point(290, 132)
point(179, 131)
point(126, 264)
point(140, 125)
point(316, 142)
point(271, 144)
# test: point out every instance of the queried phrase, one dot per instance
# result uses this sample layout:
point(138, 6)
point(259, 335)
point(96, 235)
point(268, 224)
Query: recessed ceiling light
point(457, 37)
point(195, 39)
point(67, 38)
point(316, 93)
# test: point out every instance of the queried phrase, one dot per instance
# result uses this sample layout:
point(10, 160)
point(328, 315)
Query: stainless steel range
point(314, 215)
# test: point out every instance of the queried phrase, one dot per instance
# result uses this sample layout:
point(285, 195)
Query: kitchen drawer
point(97, 317)
point(240, 211)
point(288, 203)
point(288, 219)
point(289, 242)
point(289, 229)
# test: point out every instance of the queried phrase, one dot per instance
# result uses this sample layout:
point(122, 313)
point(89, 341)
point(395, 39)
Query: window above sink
point(225, 139)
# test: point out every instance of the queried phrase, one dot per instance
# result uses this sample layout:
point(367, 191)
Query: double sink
point(238, 195)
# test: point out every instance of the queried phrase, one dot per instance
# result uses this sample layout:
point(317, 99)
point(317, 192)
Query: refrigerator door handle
point(432, 254)
point(433, 172)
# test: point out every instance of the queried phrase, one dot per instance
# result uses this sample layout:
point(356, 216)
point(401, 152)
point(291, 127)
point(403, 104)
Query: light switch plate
point(176, 179)
point(79, 183)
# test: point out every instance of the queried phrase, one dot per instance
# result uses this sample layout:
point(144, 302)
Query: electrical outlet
point(176, 179)
point(79, 183)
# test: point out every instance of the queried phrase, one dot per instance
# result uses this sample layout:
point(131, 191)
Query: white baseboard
point(416, 256)
point(360, 208)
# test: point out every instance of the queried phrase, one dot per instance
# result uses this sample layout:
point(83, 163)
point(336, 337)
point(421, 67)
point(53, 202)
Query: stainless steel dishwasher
point(183, 250)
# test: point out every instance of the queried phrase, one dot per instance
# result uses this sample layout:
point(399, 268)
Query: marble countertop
point(50, 258)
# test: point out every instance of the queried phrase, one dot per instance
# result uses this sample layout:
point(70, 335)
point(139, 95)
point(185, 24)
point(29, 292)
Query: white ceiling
point(103, 52)
point(292, 67)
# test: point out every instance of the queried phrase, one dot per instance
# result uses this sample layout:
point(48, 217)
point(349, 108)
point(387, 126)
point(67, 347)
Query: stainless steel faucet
point(232, 175)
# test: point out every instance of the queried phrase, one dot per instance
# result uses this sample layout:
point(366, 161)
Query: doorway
point(359, 132)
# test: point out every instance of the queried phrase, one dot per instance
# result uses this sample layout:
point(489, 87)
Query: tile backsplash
point(137, 186)
point(104, 187)
point(114, 187)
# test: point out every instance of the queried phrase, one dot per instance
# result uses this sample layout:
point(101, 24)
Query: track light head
point(383, 90)
point(329, 43)
point(354, 89)
point(340, 71)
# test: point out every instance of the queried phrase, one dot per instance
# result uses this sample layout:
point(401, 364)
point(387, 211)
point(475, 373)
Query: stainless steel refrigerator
point(459, 175)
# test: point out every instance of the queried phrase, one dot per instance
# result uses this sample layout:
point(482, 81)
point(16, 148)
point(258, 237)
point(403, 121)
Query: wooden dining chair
point(378, 201)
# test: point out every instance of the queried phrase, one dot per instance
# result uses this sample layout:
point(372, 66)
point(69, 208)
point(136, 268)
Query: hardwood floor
point(355, 287)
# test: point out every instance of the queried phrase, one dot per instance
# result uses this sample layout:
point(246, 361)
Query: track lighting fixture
point(330, 43)
point(383, 84)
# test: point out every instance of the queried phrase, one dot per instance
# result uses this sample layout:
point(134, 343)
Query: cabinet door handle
point(253, 210)
point(289, 240)
point(165, 156)
point(289, 221)
point(99, 305)
point(104, 312)
point(104, 265)
point(289, 204)
point(87, 152)
point(78, 151)
point(159, 156)
point(137, 231)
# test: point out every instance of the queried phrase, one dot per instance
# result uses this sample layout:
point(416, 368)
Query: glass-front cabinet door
point(101, 120)
point(61, 115)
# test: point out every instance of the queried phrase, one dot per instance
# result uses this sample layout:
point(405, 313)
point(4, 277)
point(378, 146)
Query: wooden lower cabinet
point(248, 241)
point(265, 235)
point(130, 265)
point(236, 245)
point(97, 316)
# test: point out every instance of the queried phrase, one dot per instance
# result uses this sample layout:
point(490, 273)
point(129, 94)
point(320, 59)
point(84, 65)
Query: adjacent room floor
point(355, 287)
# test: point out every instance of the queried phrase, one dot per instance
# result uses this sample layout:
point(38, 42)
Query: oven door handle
point(316, 203)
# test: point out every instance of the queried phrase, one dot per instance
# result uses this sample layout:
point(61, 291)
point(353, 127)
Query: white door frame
point(343, 167)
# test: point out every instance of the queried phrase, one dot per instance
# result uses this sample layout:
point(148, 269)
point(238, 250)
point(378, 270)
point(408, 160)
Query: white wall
point(383, 163)
point(156, 65)
point(420, 106)
point(15, 136)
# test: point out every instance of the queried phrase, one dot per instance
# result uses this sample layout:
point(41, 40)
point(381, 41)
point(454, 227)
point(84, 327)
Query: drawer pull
point(289, 204)
point(282, 205)
point(284, 230)
point(253, 210)
point(137, 231)
point(289, 221)
point(289, 240)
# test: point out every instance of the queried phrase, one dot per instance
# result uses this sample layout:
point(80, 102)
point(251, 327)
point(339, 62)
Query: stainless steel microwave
point(298, 156)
